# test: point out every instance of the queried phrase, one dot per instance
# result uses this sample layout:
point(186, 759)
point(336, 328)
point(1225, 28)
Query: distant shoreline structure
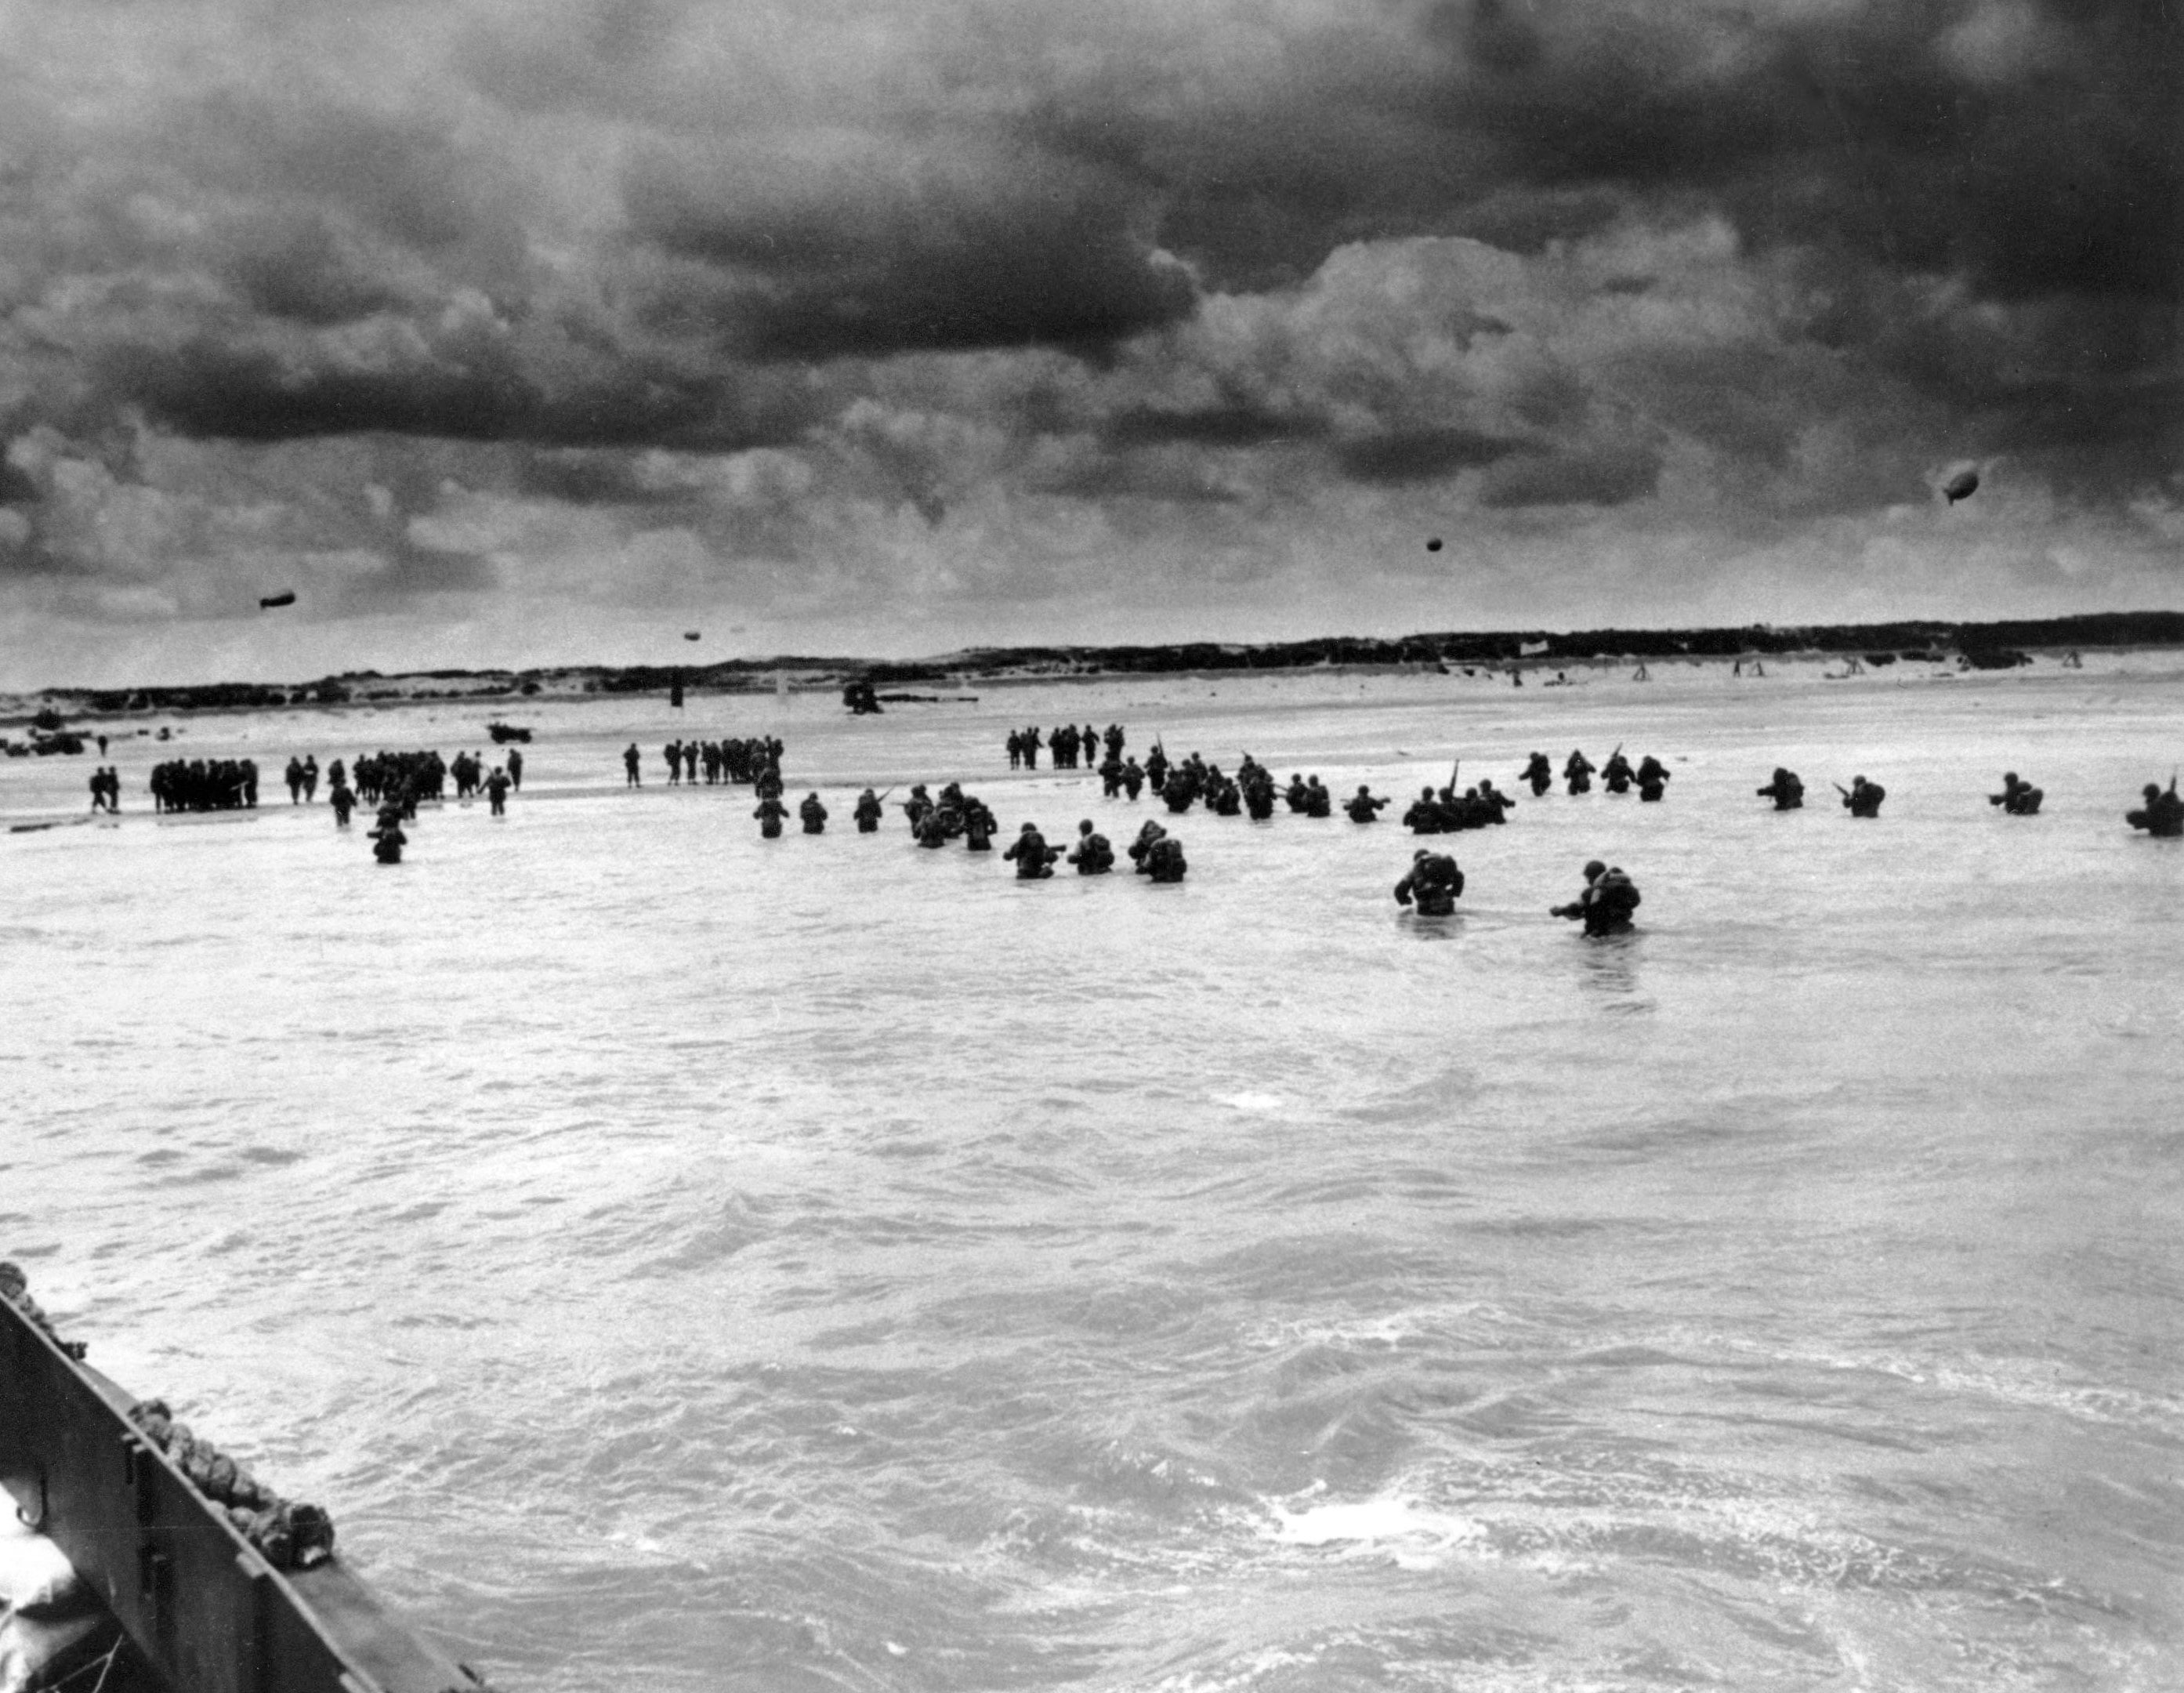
point(1983, 646)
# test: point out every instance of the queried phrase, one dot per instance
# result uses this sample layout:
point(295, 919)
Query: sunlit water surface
point(681, 1260)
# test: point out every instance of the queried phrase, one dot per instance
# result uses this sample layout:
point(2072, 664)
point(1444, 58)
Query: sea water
point(682, 1260)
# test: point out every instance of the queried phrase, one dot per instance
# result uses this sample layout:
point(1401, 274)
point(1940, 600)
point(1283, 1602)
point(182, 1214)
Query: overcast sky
point(541, 331)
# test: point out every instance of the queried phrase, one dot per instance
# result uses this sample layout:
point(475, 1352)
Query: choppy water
point(685, 1261)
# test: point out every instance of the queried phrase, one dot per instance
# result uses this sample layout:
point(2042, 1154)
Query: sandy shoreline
point(1534, 656)
point(490, 697)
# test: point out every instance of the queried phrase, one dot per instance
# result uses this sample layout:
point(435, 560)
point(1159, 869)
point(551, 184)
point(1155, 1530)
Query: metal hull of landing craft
point(204, 1607)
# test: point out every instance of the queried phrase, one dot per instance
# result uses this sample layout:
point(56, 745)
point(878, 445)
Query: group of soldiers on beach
point(198, 785)
point(395, 783)
point(1068, 744)
point(731, 759)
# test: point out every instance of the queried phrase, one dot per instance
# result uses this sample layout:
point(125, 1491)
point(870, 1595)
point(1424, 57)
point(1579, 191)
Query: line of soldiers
point(1443, 812)
point(1649, 776)
point(1068, 744)
point(952, 815)
point(302, 776)
point(731, 759)
point(205, 785)
point(382, 775)
point(105, 789)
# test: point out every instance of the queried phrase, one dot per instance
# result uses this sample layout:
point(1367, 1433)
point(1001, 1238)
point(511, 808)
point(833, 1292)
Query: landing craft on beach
point(267, 602)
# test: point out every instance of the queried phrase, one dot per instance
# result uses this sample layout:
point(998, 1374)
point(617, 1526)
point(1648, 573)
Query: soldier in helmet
point(1606, 906)
point(1432, 886)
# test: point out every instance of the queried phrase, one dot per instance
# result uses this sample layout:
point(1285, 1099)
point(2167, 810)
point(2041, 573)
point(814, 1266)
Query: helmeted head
point(2008, 779)
point(1084, 827)
point(1028, 828)
point(1594, 870)
point(2153, 791)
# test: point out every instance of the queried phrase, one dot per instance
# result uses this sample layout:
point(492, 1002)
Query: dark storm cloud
point(884, 301)
point(1607, 475)
point(476, 390)
point(2022, 152)
point(300, 268)
point(1424, 455)
point(879, 257)
point(1236, 424)
point(586, 477)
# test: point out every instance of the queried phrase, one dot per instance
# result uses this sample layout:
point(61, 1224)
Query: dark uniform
point(386, 838)
point(2163, 814)
point(1163, 861)
point(1092, 855)
point(1363, 806)
point(1432, 884)
point(769, 813)
point(1864, 797)
point(2017, 799)
point(868, 813)
point(1787, 792)
point(814, 815)
point(1606, 906)
point(1034, 859)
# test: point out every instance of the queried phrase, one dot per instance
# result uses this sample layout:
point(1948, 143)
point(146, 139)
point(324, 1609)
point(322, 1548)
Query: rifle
point(1841, 789)
point(1453, 769)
